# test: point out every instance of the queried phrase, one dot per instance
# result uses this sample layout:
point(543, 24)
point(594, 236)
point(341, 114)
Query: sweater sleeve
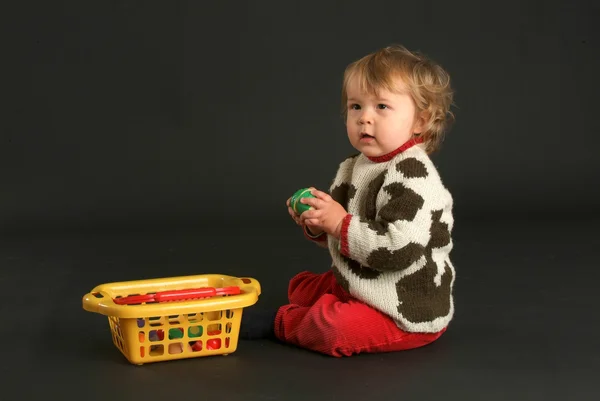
point(320, 239)
point(409, 198)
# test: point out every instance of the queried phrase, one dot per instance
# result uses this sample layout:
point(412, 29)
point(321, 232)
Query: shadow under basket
point(174, 318)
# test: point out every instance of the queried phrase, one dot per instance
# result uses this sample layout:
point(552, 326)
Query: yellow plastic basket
point(156, 331)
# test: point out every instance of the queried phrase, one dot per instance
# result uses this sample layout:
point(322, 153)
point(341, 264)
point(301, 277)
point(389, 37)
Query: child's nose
point(365, 118)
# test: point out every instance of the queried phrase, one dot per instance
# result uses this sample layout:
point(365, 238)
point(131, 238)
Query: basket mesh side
point(117, 334)
point(187, 335)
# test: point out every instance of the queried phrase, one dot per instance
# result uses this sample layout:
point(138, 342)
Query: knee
point(306, 287)
point(296, 284)
point(340, 334)
point(297, 280)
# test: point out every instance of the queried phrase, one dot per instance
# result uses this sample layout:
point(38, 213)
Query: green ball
point(175, 333)
point(295, 203)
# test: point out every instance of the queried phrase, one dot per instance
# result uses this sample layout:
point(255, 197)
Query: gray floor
point(525, 327)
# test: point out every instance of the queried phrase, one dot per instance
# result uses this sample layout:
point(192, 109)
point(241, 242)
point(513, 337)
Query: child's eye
point(382, 106)
point(354, 106)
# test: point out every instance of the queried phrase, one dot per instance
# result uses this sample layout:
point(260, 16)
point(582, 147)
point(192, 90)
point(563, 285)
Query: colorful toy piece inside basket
point(174, 318)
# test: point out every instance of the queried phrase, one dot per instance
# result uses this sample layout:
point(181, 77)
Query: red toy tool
point(177, 295)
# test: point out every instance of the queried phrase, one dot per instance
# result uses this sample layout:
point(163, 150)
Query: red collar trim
point(387, 157)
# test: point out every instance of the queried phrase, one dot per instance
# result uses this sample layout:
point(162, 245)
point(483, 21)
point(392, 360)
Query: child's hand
point(326, 215)
point(293, 214)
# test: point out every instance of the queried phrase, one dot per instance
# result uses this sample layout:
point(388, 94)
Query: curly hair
point(427, 82)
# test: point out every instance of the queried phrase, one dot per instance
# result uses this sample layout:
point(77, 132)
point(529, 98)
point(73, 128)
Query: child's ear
point(421, 122)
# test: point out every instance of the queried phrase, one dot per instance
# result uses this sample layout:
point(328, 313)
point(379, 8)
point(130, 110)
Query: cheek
point(403, 123)
point(350, 129)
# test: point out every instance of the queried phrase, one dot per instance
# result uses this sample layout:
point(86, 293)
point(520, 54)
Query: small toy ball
point(175, 333)
point(295, 203)
point(213, 343)
point(194, 331)
point(196, 346)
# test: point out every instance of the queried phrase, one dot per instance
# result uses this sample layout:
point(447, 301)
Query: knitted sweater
point(395, 242)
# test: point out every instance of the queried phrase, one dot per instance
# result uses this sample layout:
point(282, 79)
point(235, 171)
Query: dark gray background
point(144, 139)
point(151, 114)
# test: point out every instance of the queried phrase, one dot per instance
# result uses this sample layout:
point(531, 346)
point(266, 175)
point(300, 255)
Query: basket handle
point(94, 301)
point(248, 284)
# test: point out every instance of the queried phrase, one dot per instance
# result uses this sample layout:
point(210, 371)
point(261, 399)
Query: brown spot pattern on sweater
point(403, 204)
point(385, 260)
point(361, 271)
point(421, 300)
point(440, 233)
point(340, 279)
point(369, 208)
point(343, 193)
point(380, 227)
point(412, 168)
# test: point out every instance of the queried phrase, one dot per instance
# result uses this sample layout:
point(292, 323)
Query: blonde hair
point(427, 83)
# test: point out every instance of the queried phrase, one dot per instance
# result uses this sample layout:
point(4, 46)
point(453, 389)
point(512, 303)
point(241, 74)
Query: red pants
point(323, 317)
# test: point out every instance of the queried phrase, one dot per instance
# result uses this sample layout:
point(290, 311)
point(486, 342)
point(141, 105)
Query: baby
point(386, 221)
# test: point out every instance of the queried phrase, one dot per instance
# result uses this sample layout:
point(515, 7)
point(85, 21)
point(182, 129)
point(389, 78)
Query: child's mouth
point(366, 137)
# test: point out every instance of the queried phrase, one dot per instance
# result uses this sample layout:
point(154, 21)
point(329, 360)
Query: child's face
point(380, 124)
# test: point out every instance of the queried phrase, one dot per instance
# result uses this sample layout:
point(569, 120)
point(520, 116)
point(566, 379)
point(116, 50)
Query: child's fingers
point(314, 202)
point(293, 215)
point(321, 195)
point(310, 214)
